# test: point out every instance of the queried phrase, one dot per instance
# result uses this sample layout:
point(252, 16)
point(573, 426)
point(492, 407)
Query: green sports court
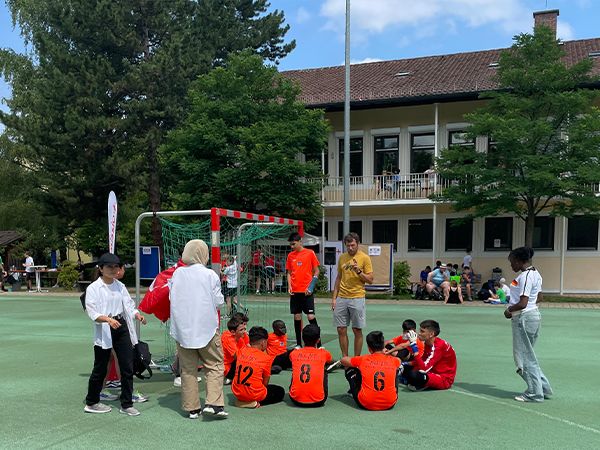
point(46, 358)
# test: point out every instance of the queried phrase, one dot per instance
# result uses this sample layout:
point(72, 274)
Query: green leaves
point(544, 151)
point(241, 142)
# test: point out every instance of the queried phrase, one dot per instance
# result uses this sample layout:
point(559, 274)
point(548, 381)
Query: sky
point(396, 29)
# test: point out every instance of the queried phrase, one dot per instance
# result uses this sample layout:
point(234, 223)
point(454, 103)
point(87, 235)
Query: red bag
point(156, 301)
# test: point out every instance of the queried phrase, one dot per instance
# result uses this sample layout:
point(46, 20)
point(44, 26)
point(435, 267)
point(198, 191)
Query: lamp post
point(346, 209)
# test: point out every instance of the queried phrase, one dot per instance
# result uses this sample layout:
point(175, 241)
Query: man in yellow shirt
point(348, 302)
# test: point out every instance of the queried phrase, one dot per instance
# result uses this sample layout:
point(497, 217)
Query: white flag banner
point(112, 221)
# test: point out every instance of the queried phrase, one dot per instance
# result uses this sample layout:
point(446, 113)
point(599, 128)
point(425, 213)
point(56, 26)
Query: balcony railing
point(412, 186)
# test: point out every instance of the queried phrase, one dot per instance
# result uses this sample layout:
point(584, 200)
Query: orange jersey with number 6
point(379, 389)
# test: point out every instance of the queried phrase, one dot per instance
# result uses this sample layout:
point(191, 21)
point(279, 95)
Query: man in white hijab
point(195, 296)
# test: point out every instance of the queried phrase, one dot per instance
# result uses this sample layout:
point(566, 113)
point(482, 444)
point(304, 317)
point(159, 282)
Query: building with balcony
point(403, 114)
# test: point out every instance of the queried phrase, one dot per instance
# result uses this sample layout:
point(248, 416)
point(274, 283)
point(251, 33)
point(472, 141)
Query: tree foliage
point(544, 128)
point(240, 145)
point(103, 84)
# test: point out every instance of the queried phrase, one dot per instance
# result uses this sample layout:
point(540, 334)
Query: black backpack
point(420, 293)
point(141, 360)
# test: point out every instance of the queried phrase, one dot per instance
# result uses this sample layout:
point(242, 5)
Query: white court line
point(547, 416)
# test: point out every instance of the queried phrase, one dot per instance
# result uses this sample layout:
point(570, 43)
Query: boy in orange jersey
point(232, 340)
point(309, 378)
point(401, 347)
point(251, 382)
point(302, 268)
point(277, 347)
point(373, 377)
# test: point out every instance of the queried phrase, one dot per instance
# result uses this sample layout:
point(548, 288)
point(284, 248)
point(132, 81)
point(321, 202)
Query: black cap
point(109, 258)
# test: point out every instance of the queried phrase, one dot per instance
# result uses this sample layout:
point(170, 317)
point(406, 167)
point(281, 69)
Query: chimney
point(548, 18)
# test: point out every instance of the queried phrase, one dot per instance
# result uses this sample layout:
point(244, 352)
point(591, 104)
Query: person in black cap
point(110, 306)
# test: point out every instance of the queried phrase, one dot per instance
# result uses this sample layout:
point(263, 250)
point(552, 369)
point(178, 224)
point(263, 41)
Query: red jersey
point(230, 348)
point(269, 261)
point(379, 387)
point(309, 383)
point(276, 345)
point(301, 265)
point(253, 366)
point(439, 359)
point(400, 340)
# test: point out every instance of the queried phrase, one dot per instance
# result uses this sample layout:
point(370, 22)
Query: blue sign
point(149, 262)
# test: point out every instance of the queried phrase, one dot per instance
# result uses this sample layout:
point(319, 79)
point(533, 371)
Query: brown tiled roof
point(432, 77)
point(8, 237)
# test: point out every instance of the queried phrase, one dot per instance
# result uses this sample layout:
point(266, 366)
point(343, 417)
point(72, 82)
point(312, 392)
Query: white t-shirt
point(29, 264)
point(231, 273)
point(195, 294)
point(506, 290)
point(467, 260)
point(528, 283)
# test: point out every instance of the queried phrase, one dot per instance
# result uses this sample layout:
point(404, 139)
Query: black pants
point(415, 378)
point(275, 394)
point(124, 350)
point(310, 405)
point(231, 374)
point(403, 354)
point(283, 360)
point(354, 378)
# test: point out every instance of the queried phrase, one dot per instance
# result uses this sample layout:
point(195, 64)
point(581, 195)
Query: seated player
point(309, 378)
point(244, 318)
point(373, 377)
point(467, 281)
point(251, 383)
point(232, 341)
point(400, 346)
point(277, 347)
point(455, 294)
point(436, 367)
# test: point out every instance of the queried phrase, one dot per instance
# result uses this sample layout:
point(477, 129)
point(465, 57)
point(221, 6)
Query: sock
point(298, 329)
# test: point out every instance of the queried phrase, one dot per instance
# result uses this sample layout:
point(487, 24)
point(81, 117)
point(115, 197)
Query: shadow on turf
point(485, 389)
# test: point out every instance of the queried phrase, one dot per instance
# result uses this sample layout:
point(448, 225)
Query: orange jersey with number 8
point(309, 382)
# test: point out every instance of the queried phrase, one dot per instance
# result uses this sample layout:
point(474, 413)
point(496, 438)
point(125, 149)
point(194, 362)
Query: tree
point(543, 128)
point(241, 143)
point(104, 83)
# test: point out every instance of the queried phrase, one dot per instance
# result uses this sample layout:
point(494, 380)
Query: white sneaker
point(138, 397)
point(97, 408)
point(177, 381)
point(131, 411)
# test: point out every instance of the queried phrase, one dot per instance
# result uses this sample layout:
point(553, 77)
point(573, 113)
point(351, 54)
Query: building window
point(355, 227)
point(422, 150)
point(459, 235)
point(385, 232)
point(498, 233)
point(460, 138)
point(356, 157)
point(582, 233)
point(386, 154)
point(543, 233)
point(420, 235)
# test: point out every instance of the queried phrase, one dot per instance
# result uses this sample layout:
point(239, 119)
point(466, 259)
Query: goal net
point(247, 250)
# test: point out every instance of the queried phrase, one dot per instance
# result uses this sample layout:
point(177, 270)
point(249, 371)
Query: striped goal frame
point(215, 227)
